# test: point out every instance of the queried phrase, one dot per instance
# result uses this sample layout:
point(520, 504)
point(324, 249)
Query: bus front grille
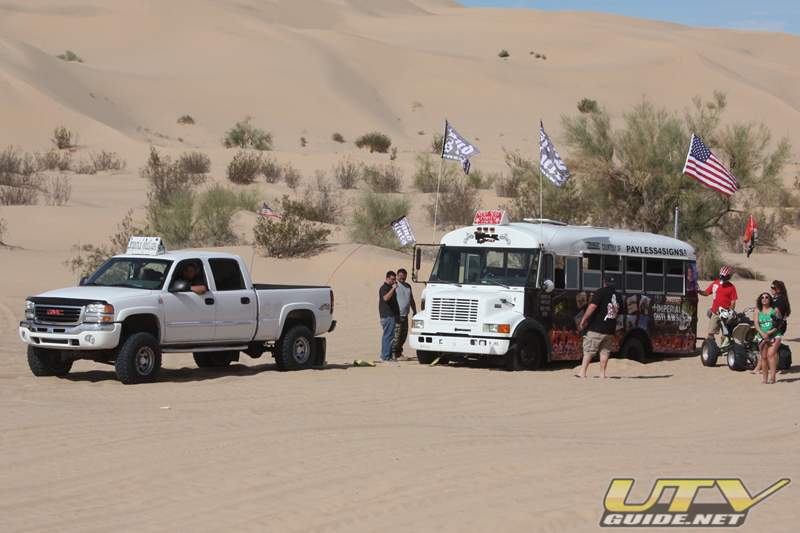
point(454, 310)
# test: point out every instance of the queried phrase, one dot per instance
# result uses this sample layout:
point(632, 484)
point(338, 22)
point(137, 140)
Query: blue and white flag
point(457, 148)
point(550, 162)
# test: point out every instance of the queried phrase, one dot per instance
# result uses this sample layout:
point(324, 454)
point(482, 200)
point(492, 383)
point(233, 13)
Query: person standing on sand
point(405, 301)
point(389, 312)
point(601, 319)
point(767, 336)
point(725, 297)
point(780, 301)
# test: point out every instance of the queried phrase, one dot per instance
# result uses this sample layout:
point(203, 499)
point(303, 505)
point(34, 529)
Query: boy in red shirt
point(725, 297)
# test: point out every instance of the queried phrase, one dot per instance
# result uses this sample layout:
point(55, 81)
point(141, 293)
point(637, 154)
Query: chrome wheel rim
point(145, 360)
point(301, 350)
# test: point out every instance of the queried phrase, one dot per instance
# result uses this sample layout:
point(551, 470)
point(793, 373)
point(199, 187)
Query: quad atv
point(739, 344)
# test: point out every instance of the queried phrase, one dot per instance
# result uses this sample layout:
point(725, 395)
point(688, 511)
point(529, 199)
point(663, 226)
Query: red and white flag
point(704, 166)
point(750, 235)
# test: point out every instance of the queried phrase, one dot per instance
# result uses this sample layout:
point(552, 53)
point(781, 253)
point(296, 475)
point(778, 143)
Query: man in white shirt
point(405, 300)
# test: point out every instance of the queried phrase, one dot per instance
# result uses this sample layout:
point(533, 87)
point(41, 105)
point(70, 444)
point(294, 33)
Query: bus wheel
point(425, 358)
point(633, 349)
point(525, 354)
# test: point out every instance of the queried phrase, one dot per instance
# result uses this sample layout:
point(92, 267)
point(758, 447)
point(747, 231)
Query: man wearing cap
point(725, 297)
point(600, 323)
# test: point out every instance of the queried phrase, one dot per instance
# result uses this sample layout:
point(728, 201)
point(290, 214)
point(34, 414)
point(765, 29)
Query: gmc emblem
point(55, 312)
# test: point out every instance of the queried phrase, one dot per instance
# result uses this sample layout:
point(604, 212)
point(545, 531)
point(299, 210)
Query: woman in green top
point(766, 334)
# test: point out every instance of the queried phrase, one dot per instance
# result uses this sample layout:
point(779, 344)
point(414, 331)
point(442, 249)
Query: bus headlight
point(30, 313)
point(99, 313)
point(417, 324)
point(497, 328)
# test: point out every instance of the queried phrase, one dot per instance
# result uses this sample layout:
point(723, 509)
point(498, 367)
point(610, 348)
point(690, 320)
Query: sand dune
point(397, 447)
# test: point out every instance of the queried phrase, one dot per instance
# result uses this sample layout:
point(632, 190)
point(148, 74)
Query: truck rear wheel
point(295, 350)
point(47, 362)
point(139, 359)
point(214, 359)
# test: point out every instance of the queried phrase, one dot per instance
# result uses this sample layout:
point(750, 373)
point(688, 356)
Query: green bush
point(322, 202)
point(347, 173)
point(291, 236)
point(371, 218)
point(338, 138)
point(383, 178)
point(173, 220)
point(272, 170)
point(503, 53)
point(291, 176)
point(64, 139)
point(69, 55)
point(588, 106)
point(167, 178)
point(245, 167)
point(186, 120)
point(194, 163)
point(426, 174)
point(456, 207)
point(375, 141)
point(245, 135)
point(478, 180)
point(215, 210)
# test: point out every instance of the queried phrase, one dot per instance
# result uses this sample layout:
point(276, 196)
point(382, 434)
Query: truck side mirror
point(417, 258)
point(179, 286)
point(548, 286)
point(83, 280)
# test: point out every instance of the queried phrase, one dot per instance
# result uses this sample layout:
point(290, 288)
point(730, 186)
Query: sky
point(764, 15)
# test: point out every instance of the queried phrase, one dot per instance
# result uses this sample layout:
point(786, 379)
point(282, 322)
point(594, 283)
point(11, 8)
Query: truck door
point(189, 317)
point(237, 307)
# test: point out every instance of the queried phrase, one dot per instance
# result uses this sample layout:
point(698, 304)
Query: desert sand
point(398, 447)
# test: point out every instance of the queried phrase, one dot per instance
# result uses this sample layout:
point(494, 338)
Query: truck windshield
point(133, 272)
point(485, 266)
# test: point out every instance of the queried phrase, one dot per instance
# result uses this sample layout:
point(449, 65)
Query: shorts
point(714, 324)
point(594, 343)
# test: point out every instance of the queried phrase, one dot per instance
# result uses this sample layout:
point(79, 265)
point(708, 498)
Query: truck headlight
point(30, 312)
point(99, 313)
point(497, 328)
point(417, 324)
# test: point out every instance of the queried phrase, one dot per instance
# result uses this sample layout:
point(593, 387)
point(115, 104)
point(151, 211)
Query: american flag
point(267, 212)
point(704, 166)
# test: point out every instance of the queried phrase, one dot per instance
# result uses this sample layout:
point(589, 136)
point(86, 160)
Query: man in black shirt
point(601, 319)
point(389, 311)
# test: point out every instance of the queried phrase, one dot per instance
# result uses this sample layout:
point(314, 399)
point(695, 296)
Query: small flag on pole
point(550, 162)
point(402, 228)
point(750, 235)
point(704, 166)
point(457, 148)
point(267, 212)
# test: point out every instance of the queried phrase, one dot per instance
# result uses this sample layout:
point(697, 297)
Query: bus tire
point(44, 362)
point(709, 352)
point(425, 357)
point(633, 349)
point(784, 358)
point(737, 358)
point(525, 354)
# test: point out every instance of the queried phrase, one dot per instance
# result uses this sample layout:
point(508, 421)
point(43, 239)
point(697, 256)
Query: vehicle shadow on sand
point(554, 366)
point(186, 374)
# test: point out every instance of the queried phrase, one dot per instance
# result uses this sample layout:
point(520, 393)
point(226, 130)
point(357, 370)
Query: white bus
point(517, 291)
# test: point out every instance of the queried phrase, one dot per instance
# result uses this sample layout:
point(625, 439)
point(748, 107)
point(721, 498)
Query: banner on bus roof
point(490, 217)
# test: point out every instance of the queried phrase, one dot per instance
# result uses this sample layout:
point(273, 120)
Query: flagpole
point(439, 182)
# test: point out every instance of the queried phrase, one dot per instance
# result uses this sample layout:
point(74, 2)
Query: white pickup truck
point(137, 306)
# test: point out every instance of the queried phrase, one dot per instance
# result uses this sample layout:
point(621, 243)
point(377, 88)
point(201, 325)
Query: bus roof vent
point(545, 221)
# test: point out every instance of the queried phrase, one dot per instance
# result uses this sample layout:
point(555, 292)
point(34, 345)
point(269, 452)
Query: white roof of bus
point(573, 240)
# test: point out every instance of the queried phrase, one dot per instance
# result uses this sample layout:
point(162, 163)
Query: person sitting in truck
point(194, 277)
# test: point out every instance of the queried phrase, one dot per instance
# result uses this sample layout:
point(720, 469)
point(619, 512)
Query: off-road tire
point(214, 359)
point(709, 352)
point(138, 359)
point(737, 358)
point(295, 350)
point(425, 357)
point(47, 362)
point(784, 358)
point(634, 350)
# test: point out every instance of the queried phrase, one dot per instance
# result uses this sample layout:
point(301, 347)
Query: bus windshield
point(485, 266)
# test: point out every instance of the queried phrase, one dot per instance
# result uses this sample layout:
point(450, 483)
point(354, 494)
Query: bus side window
point(573, 273)
point(592, 271)
point(675, 276)
point(559, 272)
point(634, 274)
point(654, 278)
point(612, 264)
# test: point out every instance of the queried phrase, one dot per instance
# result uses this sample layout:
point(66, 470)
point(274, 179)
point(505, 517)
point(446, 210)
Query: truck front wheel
point(139, 359)
point(47, 362)
point(214, 359)
point(295, 351)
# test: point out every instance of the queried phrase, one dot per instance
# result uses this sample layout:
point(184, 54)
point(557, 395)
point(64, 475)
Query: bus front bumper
point(460, 345)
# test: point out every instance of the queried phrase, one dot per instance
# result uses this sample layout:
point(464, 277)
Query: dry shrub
point(53, 160)
point(456, 207)
point(57, 190)
point(272, 170)
point(371, 218)
point(383, 178)
point(19, 189)
point(338, 138)
point(245, 167)
point(291, 176)
point(167, 178)
point(347, 173)
point(375, 141)
point(508, 186)
point(215, 211)
point(245, 135)
point(437, 144)
point(64, 139)
point(479, 180)
point(84, 166)
point(13, 161)
point(69, 56)
point(104, 161)
point(3, 229)
point(186, 120)
point(322, 202)
point(290, 236)
point(173, 220)
point(195, 163)
point(426, 174)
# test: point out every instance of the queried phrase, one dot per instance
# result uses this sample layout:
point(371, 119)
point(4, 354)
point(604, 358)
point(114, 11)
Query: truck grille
point(454, 310)
point(58, 314)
